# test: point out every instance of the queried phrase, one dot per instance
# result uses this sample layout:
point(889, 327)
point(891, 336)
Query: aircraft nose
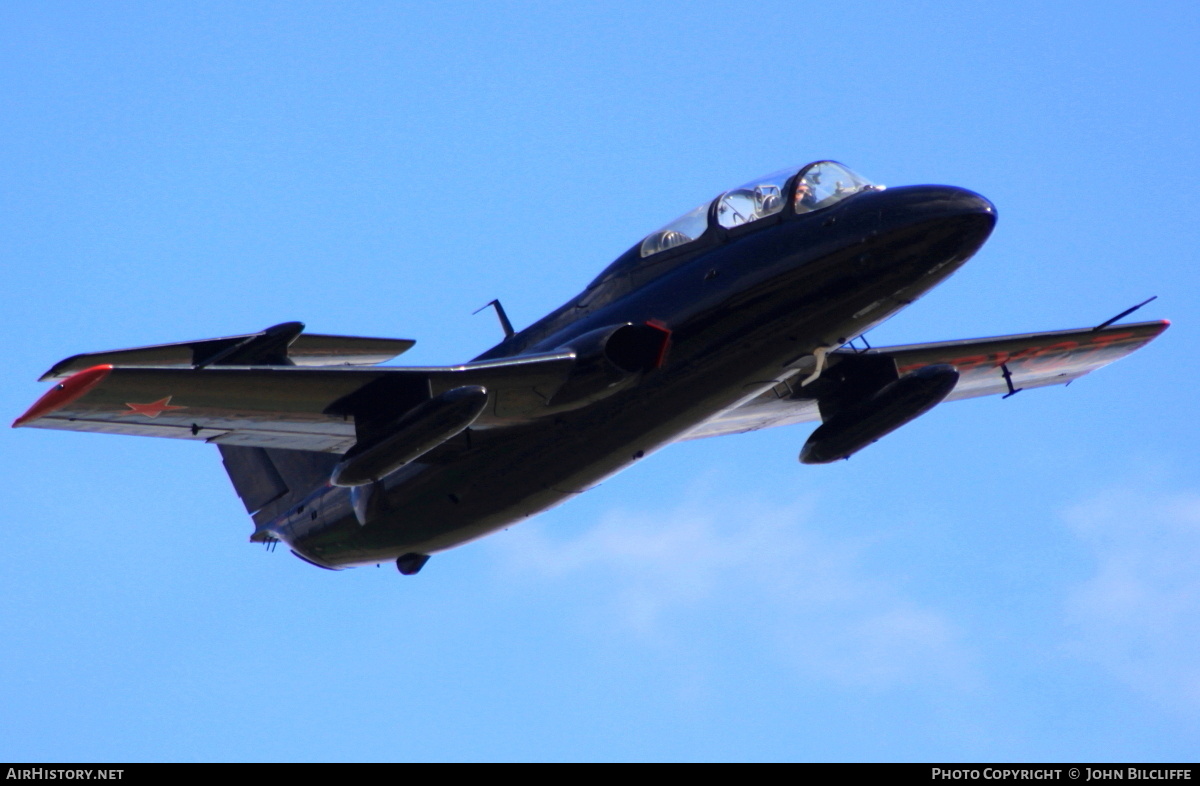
point(908, 205)
point(932, 227)
point(977, 203)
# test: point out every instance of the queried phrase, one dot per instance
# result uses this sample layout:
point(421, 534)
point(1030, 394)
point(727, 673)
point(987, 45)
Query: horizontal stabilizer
point(283, 344)
point(986, 366)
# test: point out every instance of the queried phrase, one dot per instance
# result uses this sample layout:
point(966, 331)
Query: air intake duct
point(610, 359)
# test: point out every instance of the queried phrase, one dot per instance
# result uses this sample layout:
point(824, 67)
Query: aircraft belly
point(519, 472)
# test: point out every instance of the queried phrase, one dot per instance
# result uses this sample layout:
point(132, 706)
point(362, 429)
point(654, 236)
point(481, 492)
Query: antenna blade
point(1123, 314)
point(504, 323)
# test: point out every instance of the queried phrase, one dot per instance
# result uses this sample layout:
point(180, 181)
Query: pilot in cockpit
point(805, 199)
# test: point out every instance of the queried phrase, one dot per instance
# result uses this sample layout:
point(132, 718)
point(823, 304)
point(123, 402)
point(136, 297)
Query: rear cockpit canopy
point(756, 200)
point(812, 187)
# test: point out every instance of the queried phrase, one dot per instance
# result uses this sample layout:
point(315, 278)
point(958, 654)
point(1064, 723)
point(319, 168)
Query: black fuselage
point(743, 307)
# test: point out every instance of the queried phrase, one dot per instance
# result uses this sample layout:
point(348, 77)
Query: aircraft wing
point(291, 407)
point(1032, 360)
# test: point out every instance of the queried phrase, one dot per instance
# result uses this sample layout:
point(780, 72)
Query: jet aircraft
point(738, 315)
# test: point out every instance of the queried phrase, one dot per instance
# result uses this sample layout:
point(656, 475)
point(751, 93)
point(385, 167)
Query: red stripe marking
point(64, 393)
point(666, 345)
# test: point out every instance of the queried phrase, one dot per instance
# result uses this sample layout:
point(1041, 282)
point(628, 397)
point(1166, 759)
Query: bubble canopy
point(812, 187)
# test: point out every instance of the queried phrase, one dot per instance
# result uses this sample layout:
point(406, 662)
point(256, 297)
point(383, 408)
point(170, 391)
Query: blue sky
point(1009, 580)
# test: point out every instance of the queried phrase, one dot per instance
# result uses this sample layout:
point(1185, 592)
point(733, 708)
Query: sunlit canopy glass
point(757, 199)
point(826, 183)
point(684, 229)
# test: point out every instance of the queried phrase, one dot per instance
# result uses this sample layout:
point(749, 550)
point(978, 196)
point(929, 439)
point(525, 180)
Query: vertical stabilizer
point(270, 480)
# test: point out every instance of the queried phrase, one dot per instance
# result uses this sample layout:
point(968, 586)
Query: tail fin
point(271, 480)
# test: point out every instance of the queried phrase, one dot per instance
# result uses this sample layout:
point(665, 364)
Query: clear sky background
point(999, 580)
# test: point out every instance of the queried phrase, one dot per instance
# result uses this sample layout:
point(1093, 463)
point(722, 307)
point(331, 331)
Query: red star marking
point(151, 410)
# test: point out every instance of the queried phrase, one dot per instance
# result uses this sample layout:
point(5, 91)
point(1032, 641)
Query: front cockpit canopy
point(826, 183)
point(813, 187)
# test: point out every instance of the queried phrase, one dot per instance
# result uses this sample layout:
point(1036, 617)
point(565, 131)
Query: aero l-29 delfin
point(734, 317)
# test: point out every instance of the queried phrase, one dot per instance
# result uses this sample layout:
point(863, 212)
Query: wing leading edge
point(1031, 360)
